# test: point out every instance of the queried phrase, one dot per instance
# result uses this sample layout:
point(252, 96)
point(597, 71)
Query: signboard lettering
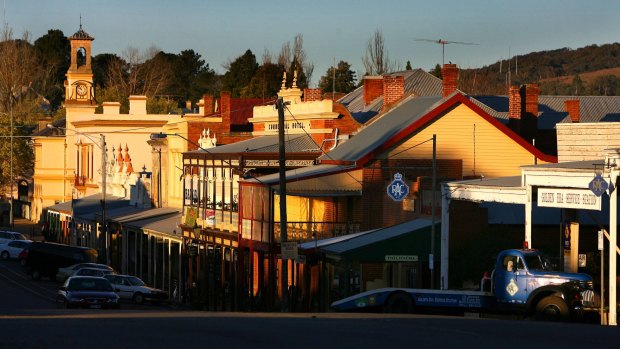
point(289, 250)
point(568, 198)
point(397, 190)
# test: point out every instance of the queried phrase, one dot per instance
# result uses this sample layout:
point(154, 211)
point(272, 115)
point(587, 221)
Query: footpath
point(31, 230)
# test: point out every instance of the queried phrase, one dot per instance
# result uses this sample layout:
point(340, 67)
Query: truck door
point(511, 281)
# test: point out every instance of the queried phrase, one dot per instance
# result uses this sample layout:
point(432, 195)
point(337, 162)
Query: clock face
point(81, 90)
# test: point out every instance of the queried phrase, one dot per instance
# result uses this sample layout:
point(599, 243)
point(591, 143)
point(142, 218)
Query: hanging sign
point(568, 198)
point(397, 190)
point(598, 185)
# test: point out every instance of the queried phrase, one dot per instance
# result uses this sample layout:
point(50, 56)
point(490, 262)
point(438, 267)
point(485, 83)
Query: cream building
point(68, 157)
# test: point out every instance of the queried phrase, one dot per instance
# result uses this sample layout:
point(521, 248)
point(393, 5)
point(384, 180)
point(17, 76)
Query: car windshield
point(89, 284)
point(19, 236)
point(134, 281)
point(537, 262)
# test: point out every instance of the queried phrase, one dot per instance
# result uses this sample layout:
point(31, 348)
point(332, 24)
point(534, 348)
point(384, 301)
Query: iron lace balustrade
point(305, 231)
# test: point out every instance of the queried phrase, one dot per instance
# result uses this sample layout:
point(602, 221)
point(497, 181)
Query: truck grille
point(590, 299)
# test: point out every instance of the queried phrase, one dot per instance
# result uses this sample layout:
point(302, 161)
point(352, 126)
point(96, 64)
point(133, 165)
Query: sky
point(222, 30)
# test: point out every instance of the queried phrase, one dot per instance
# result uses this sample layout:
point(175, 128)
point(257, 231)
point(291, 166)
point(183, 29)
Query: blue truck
point(522, 282)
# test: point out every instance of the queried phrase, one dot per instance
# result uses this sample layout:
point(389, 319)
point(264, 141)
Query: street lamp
point(101, 146)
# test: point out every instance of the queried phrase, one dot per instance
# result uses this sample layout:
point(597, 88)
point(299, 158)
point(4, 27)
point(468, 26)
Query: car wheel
point(399, 302)
point(61, 302)
point(4, 255)
point(138, 298)
point(552, 308)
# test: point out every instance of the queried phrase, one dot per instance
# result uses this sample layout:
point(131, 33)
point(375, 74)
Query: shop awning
point(408, 241)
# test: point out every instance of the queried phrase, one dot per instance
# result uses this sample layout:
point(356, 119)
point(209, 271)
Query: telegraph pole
point(283, 235)
point(432, 256)
point(104, 229)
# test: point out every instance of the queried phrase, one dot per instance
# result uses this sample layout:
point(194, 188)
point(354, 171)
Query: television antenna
point(443, 44)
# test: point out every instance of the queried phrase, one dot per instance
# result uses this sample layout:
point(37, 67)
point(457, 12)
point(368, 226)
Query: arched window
point(81, 56)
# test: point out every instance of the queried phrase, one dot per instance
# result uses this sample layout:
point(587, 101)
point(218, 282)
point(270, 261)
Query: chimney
point(393, 89)
point(207, 101)
point(373, 88)
point(225, 108)
point(572, 108)
point(137, 105)
point(514, 108)
point(531, 99)
point(450, 76)
point(313, 94)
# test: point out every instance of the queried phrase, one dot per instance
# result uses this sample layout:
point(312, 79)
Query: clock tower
point(79, 88)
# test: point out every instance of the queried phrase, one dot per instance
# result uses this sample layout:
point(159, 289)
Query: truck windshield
point(537, 262)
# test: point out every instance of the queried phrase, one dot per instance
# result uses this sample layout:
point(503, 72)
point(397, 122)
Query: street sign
point(397, 190)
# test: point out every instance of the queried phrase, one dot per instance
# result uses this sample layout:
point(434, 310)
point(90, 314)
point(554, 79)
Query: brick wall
point(450, 75)
point(373, 88)
point(208, 104)
point(225, 108)
point(573, 109)
point(393, 89)
point(313, 94)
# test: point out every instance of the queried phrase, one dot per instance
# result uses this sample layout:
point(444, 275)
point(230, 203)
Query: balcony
point(305, 231)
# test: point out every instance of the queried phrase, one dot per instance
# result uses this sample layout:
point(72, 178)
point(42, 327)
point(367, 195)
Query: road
point(29, 319)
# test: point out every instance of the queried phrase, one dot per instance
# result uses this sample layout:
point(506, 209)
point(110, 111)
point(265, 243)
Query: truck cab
point(524, 279)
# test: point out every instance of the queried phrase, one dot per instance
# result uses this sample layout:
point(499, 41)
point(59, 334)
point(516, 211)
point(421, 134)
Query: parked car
point(6, 236)
point(45, 258)
point(133, 288)
point(22, 256)
point(87, 292)
point(64, 273)
point(92, 272)
point(13, 248)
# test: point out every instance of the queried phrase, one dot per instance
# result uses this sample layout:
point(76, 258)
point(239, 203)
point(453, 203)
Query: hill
point(591, 70)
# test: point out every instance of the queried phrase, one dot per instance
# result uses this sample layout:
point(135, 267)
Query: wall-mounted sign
point(598, 185)
point(289, 250)
point(397, 189)
point(400, 258)
point(568, 198)
point(276, 163)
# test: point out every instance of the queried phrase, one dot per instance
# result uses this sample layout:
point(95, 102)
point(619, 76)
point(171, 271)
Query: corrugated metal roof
point(166, 225)
point(382, 129)
point(551, 109)
point(87, 207)
point(302, 172)
point(295, 143)
point(417, 82)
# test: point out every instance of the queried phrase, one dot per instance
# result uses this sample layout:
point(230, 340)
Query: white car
point(6, 236)
point(64, 273)
point(12, 249)
point(92, 272)
point(133, 288)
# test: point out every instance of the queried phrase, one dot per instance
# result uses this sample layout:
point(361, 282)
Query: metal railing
point(308, 231)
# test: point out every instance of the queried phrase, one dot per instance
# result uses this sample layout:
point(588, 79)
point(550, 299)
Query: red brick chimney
point(531, 99)
point(572, 108)
point(313, 94)
point(373, 88)
point(514, 109)
point(225, 109)
point(393, 89)
point(208, 104)
point(450, 75)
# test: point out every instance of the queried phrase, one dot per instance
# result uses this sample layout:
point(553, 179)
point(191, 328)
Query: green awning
point(408, 241)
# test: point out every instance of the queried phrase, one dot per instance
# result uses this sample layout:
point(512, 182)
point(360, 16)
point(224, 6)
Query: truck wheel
point(552, 308)
point(399, 303)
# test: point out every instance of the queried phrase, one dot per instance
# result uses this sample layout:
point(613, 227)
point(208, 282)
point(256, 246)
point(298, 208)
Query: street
point(29, 319)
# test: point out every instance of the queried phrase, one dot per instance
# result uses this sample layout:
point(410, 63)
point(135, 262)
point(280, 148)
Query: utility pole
point(283, 234)
point(432, 256)
point(104, 229)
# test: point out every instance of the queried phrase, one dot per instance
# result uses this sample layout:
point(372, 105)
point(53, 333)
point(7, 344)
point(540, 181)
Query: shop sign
point(289, 250)
point(400, 258)
point(568, 198)
point(397, 190)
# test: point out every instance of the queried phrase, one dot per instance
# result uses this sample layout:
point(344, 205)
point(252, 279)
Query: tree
point(265, 83)
point(240, 73)
point(19, 103)
point(344, 78)
point(376, 60)
point(408, 67)
point(294, 60)
point(53, 51)
point(577, 86)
